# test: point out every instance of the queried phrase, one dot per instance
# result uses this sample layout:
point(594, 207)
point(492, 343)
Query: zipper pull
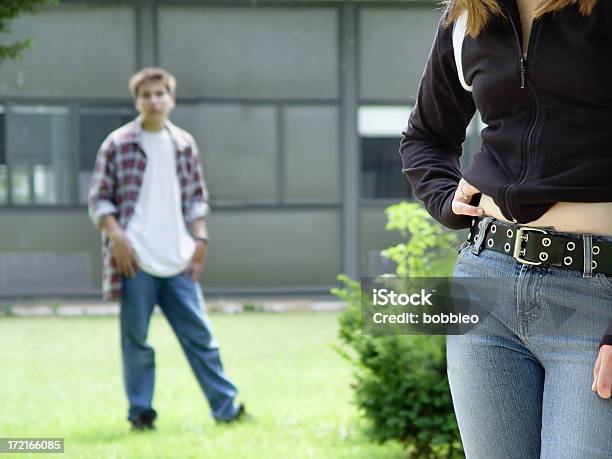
point(523, 72)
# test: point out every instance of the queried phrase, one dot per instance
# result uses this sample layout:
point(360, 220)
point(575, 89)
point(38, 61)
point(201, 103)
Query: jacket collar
point(510, 8)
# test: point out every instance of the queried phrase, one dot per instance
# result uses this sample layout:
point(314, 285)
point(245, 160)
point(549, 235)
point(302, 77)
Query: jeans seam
point(526, 343)
point(539, 276)
point(517, 297)
point(520, 315)
point(521, 327)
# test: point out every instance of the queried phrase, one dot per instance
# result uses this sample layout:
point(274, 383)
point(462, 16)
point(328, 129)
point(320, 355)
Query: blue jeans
point(182, 303)
point(521, 382)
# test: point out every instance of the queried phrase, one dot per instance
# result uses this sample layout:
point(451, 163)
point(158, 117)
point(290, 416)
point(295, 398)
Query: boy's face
point(153, 101)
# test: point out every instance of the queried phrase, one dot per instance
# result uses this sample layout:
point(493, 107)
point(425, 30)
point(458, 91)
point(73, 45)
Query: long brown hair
point(480, 11)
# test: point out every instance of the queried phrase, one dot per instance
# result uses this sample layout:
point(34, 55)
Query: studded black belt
point(541, 246)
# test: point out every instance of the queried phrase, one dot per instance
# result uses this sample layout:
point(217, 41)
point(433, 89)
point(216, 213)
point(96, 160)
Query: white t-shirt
point(157, 229)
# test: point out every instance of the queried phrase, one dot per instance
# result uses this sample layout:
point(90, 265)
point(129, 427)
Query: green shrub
point(253, 307)
point(6, 310)
point(427, 242)
point(401, 384)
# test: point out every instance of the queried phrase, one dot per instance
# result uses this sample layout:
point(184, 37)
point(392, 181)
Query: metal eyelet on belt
point(507, 247)
point(546, 241)
point(593, 264)
point(509, 233)
point(595, 250)
point(543, 256)
point(493, 228)
point(567, 261)
point(571, 246)
point(489, 242)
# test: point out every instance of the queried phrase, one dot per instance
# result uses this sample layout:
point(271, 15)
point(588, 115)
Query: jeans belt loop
point(587, 244)
point(483, 225)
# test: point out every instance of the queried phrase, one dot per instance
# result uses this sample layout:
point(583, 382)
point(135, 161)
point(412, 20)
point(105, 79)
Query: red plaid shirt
point(116, 182)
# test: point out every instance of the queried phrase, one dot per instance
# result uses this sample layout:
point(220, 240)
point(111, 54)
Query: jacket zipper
point(524, 84)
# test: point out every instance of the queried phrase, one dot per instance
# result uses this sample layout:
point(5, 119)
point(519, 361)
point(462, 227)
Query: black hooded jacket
point(549, 117)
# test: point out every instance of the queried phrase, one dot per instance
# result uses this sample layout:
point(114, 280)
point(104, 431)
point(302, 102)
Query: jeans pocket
point(605, 280)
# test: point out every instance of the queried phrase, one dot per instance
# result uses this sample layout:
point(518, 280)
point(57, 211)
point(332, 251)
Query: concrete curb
point(234, 306)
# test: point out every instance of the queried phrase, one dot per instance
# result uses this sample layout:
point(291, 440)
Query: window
point(94, 126)
point(39, 154)
point(380, 129)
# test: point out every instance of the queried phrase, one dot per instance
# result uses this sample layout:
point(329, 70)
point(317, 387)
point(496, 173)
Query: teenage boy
point(146, 193)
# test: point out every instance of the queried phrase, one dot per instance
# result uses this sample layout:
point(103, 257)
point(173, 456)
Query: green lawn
point(60, 377)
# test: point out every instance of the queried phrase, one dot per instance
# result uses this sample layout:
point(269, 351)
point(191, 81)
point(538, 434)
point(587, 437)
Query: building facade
point(297, 107)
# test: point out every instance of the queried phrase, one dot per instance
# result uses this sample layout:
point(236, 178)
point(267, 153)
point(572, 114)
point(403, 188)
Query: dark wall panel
point(394, 46)
point(251, 52)
point(77, 51)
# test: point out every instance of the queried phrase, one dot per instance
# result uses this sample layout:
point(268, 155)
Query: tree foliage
point(9, 10)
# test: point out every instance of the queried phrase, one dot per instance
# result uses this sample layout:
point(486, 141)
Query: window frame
point(77, 108)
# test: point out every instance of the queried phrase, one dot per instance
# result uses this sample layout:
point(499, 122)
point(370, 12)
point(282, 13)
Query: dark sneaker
point(240, 415)
point(144, 420)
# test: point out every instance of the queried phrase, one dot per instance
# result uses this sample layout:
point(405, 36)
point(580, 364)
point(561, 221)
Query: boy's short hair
point(149, 74)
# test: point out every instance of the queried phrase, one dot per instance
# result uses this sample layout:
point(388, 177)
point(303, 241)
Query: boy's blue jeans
point(182, 303)
point(521, 384)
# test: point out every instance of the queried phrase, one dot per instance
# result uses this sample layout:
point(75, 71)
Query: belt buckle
point(519, 252)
